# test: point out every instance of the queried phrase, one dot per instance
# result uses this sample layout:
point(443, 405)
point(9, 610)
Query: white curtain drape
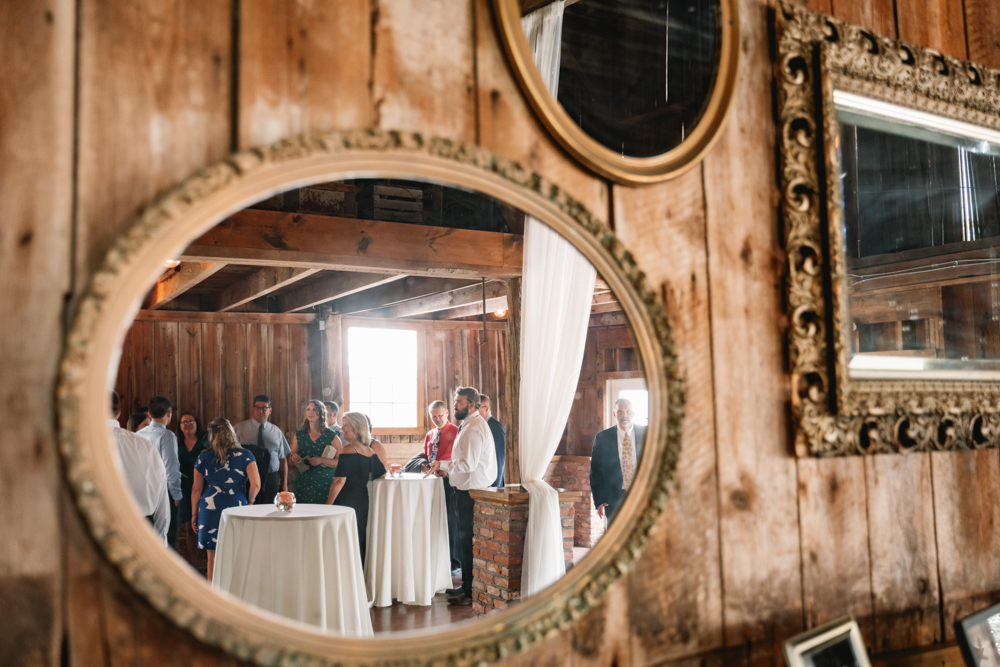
point(557, 289)
point(543, 31)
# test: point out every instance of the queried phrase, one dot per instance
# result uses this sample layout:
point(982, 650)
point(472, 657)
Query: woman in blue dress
point(220, 475)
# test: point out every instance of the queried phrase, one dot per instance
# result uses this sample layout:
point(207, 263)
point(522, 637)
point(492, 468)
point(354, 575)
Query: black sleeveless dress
point(357, 469)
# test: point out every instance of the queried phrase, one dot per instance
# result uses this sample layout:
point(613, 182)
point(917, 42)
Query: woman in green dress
point(308, 444)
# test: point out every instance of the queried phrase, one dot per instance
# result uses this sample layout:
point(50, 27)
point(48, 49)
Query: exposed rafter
point(404, 291)
point(456, 298)
point(274, 238)
point(179, 280)
point(258, 284)
point(337, 286)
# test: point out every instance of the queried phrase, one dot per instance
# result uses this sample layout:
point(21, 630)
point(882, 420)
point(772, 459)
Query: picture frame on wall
point(978, 636)
point(834, 644)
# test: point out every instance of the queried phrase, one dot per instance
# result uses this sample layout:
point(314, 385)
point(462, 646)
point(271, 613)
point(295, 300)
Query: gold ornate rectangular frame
point(836, 415)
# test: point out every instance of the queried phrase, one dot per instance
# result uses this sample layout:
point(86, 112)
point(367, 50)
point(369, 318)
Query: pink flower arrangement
point(284, 501)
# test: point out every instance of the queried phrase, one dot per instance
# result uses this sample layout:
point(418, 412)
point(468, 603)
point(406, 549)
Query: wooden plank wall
point(214, 369)
point(107, 104)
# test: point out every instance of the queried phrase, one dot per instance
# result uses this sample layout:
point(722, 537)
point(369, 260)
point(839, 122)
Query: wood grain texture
point(937, 24)
point(502, 108)
point(877, 15)
point(903, 552)
point(36, 145)
point(303, 66)
point(423, 78)
point(758, 522)
point(834, 528)
point(675, 590)
point(154, 107)
point(982, 27)
point(967, 519)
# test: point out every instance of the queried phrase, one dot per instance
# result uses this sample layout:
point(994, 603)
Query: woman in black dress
point(191, 441)
point(358, 463)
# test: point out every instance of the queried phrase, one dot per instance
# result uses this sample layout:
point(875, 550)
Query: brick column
point(573, 473)
point(500, 523)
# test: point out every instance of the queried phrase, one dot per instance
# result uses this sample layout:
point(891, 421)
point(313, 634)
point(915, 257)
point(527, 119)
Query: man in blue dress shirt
point(165, 442)
point(262, 433)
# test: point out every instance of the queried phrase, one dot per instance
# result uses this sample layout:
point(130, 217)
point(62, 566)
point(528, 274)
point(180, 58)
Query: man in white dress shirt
point(473, 465)
point(143, 471)
point(262, 433)
point(165, 442)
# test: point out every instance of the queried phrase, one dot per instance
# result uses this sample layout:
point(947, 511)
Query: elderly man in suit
point(499, 432)
point(614, 458)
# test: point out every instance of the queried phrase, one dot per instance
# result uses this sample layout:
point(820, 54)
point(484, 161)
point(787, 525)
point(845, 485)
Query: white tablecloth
point(408, 557)
point(304, 564)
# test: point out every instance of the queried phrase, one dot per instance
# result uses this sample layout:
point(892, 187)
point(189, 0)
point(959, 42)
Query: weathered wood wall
point(214, 368)
point(108, 103)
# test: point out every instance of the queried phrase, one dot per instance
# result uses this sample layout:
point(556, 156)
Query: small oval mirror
point(635, 89)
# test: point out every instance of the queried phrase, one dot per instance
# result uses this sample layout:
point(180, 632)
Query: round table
point(408, 557)
point(304, 564)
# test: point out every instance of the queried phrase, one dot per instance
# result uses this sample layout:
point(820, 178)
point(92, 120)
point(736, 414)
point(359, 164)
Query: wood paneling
point(156, 101)
point(759, 527)
point(36, 185)
point(214, 370)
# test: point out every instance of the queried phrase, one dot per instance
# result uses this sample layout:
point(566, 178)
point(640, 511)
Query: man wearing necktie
point(270, 449)
point(437, 447)
point(614, 460)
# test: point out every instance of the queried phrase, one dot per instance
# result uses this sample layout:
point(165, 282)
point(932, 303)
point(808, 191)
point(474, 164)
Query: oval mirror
point(324, 361)
point(637, 90)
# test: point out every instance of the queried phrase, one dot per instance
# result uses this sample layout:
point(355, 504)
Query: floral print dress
point(224, 488)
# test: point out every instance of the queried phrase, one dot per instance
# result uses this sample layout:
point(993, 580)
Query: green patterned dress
point(313, 485)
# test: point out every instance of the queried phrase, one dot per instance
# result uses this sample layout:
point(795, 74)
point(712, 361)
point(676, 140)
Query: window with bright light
point(382, 372)
point(634, 389)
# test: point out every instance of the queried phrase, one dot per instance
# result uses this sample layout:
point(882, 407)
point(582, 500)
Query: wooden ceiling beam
point(337, 286)
point(492, 305)
point(404, 291)
point(258, 284)
point(275, 238)
point(179, 280)
point(456, 298)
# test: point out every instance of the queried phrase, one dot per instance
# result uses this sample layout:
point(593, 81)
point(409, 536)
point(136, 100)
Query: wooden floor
point(409, 617)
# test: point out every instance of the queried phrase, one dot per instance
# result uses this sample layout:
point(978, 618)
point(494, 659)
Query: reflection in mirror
point(358, 344)
point(921, 230)
point(635, 75)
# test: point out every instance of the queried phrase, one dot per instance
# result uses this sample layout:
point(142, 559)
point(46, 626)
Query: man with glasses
point(614, 459)
point(258, 432)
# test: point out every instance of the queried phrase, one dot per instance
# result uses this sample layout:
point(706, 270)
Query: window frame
point(369, 323)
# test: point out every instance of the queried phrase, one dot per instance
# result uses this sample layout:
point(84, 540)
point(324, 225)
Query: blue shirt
point(165, 443)
point(274, 442)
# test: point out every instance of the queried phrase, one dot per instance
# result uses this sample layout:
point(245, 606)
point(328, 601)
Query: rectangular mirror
point(889, 157)
point(920, 228)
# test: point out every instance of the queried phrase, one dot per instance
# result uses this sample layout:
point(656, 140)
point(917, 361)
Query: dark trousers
point(451, 509)
point(268, 489)
point(466, 510)
point(172, 528)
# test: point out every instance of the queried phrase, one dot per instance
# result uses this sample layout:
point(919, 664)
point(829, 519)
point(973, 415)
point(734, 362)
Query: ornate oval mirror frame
point(596, 156)
point(168, 225)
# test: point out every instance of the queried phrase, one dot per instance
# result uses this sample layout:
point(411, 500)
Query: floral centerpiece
point(285, 501)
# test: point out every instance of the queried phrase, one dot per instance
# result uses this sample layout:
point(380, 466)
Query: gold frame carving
point(835, 415)
point(596, 156)
point(112, 298)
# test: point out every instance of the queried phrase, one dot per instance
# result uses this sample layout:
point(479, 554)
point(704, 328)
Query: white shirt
point(143, 471)
point(621, 436)
point(166, 443)
point(473, 462)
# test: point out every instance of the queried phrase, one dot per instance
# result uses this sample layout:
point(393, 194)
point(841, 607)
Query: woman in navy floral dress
point(220, 475)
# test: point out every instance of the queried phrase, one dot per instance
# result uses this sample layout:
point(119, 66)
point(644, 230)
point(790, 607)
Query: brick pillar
point(573, 473)
point(500, 523)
